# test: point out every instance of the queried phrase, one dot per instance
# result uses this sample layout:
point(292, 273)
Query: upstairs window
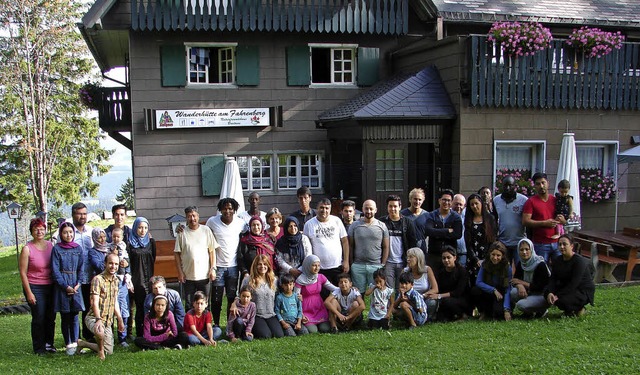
point(211, 65)
point(332, 65)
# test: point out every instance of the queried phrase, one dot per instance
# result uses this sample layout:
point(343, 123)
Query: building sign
point(211, 118)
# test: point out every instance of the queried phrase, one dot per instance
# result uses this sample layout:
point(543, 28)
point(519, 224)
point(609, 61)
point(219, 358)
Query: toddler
point(381, 301)
point(564, 205)
point(197, 323)
point(345, 305)
point(118, 246)
point(241, 320)
point(289, 308)
point(409, 304)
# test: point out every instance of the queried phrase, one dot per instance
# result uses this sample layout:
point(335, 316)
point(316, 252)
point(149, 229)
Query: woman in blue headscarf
point(142, 256)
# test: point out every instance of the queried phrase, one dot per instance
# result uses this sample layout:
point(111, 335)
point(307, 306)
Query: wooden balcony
point(558, 77)
point(114, 114)
point(387, 17)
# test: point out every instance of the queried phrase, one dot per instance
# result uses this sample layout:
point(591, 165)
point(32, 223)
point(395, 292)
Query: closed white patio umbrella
point(568, 170)
point(231, 183)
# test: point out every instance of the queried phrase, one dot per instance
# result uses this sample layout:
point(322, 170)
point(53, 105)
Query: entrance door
point(387, 172)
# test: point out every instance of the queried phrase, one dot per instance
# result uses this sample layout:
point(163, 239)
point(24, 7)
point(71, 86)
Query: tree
point(49, 150)
point(127, 194)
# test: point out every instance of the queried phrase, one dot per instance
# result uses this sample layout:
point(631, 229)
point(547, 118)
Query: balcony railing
point(311, 16)
point(114, 114)
point(558, 77)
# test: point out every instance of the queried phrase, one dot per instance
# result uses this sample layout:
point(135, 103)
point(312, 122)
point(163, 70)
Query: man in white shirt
point(254, 210)
point(328, 241)
point(227, 228)
point(195, 256)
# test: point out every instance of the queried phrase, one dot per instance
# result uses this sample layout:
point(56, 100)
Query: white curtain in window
point(513, 157)
point(590, 157)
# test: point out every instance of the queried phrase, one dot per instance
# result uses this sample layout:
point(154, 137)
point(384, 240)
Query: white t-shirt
point(194, 247)
point(228, 237)
point(379, 302)
point(325, 240)
point(244, 215)
point(346, 301)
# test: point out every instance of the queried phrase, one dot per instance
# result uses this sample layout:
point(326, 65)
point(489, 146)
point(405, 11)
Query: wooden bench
point(602, 258)
point(165, 264)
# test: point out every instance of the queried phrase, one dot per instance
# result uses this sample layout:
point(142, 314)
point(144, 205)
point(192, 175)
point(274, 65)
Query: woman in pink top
point(309, 285)
point(35, 272)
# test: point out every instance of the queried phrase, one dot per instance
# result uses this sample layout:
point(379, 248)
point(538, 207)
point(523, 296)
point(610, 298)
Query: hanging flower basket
point(596, 187)
point(91, 95)
point(594, 42)
point(520, 39)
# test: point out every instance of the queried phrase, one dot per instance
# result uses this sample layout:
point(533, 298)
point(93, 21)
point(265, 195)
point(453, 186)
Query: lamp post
point(15, 212)
point(174, 221)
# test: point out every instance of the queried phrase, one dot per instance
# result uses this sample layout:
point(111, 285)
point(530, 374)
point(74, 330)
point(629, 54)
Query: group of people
point(308, 272)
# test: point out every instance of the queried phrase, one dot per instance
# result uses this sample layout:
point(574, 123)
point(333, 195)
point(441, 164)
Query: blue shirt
point(289, 308)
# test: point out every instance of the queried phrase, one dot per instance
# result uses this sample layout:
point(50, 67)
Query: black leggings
point(267, 328)
point(452, 308)
point(181, 339)
point(487, 303)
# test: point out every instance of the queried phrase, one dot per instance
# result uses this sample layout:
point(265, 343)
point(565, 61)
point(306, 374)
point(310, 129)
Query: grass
point(605, 341)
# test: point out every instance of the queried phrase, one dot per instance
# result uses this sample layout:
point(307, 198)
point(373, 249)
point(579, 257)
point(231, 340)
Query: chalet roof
point(420, 95)
point(579, 12)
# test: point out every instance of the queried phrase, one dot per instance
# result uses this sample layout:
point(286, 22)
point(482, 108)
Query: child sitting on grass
point(160, 329)
point(381, 301)
point(197, 323)
point(289, 308)
point(345, 305)
point(241, 320)
point(409, 305)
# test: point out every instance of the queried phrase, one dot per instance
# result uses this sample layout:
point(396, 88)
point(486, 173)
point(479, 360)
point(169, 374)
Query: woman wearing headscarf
point(292, 248)
point(255, 242)
point(530, 279)
point(99, 251)
point(309, 285)
point(142, 256)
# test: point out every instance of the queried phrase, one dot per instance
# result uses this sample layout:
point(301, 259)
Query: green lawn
point(606, 341)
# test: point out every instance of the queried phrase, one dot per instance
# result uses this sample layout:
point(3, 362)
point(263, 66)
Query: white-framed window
point(520, 159)
point(287, 170)
point(333, 64)
point(296, 170)
point(255, 172)
point(211, 64)
point(598, 155)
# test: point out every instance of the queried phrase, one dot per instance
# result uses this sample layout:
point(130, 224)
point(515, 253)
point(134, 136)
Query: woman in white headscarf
point(529, 281)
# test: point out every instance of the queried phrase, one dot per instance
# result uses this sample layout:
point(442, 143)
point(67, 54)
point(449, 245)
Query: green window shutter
point(212, 173)
point(247, 65)
point(298, 69)
point(173, 65)
point(368, 66)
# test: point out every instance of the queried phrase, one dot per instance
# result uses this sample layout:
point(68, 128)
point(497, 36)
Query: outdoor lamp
point(174, 221)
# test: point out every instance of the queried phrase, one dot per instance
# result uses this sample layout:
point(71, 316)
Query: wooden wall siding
point(558, 77)
point(388, 17)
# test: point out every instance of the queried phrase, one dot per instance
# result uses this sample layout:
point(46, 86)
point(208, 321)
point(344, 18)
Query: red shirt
point(541, 210)
point(201, 323)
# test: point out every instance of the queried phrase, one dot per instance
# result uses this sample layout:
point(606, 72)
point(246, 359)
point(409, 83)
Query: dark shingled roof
point(590, 12)
point(420, 95)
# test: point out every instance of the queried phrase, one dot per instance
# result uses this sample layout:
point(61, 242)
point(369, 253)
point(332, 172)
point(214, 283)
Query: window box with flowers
point(524, 183)
point(520, 38)
point(596, 187)
point(91, 95)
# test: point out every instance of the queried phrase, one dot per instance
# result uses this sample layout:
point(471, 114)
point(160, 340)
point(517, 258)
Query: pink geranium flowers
point(595, 42)
point(520, 38)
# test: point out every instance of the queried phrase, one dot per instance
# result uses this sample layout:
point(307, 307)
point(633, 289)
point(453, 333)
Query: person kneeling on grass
point(242, 318)
point(409, 305)
point(160, 329)
point(198, 323)
point(104, 306)
point(345, 305)
point(289, 308)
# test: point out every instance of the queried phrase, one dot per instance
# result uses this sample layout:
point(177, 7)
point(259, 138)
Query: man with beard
point(347, 213)
point(509, 206)
point(538, 214)
point(369, 244)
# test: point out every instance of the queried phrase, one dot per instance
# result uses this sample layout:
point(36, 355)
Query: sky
point(120, 161)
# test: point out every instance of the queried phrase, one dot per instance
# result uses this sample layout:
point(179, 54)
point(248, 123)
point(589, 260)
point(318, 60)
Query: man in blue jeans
point(538, 214)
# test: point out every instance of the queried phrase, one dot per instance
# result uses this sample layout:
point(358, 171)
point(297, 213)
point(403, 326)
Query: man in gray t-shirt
point(369, 241)
point(509, 206)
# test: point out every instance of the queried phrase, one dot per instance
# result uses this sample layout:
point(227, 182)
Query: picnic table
point(626, 240)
